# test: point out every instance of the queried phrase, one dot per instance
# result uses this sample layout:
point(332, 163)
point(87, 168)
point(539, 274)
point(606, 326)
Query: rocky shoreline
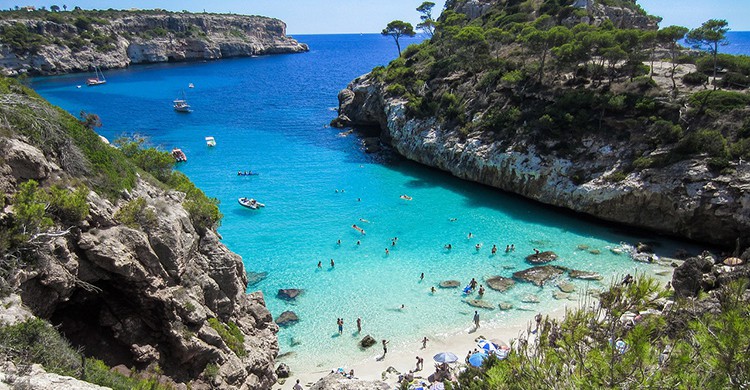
point(128, 38)
point(685, 199)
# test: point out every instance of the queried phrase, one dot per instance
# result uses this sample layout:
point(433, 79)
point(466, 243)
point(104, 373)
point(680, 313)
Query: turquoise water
point(269, 115)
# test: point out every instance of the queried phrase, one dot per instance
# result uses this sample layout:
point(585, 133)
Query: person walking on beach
point(359, 325)
point(476, 319)
point(385, 347)
point(424, 342)
point(297, 386)
point(420, 364)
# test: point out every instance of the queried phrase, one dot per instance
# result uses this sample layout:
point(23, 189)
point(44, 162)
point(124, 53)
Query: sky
point(370, 16)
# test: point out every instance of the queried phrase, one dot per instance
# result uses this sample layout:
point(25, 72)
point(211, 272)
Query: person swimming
point(494, 249)
point(448, 246)
point(359, 229)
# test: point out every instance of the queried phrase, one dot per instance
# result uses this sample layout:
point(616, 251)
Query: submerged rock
point(505, 306)
point(566, 287)
point(287, 318)
point(449, 284)
point(559, 295)
point(482, 304)
point(500, 283)
point(539, 275)
point(289, 294)
point(542, 257)
point(530, 298)
point(367, 342)
point(254, 278)
point(584, 275)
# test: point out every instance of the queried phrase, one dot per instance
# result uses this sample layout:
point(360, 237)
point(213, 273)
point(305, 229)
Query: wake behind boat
point(250, 203)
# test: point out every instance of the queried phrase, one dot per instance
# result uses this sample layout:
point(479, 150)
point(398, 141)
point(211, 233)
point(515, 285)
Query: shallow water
point(269, 115)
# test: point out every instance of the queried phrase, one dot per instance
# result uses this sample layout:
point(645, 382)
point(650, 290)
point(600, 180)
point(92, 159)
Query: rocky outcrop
point(289, 294)
point(146, 297)
point(287, 318)
point(338, 382)
point(539, 275)
point(684, 199)
point(542, 257)
point(705, 273)
point(500, 283)
point(142, 37)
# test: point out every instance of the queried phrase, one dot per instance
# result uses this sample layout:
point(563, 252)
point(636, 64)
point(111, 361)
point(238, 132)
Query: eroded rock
point(287, 318)
point(450, 284)
point(542, 257)
point(539, 275)
point(500, 283)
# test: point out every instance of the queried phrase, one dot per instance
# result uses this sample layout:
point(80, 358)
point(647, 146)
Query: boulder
point(450, 284)
point(542, 257)
point(687, 278)
point(254, 278)
point(287, 318)
point(283, 371)
point(505, 306)
point(289, 294)
point(642, 247)
point(539, 275)
point(482, 304)
point(367, 342)
point(530, 298)
point(566, 287)
point(560, 296)
point(500, 283)
point(584, 275)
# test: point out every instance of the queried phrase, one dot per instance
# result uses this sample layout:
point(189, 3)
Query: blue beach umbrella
point(445, 357)
point(488, 346)
point(477, 359)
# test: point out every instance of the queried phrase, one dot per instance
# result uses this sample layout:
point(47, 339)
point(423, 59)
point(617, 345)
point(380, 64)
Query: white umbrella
point(445, 357)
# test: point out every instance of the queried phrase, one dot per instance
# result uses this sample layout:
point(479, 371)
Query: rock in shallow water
point(566, 287)
point(287, 318)
point(449, 284)
point(283, 371)
point(367, 342)
point(289, 294)
point(584, 275)
point(500, 283)
point(542, 257)
point(539, 275)
point(480, 304)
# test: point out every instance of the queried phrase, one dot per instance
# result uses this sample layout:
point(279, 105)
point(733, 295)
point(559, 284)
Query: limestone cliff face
point(140, 297)
point(138, 38)
point(684, 199)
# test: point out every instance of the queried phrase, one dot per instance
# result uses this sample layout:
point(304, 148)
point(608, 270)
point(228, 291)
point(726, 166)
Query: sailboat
point(99, 80)
point(181, 105)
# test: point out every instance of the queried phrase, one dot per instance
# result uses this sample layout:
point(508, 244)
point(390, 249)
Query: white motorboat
point(210, 141)
point(250, 203)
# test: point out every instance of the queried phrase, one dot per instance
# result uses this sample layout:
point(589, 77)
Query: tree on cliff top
point(710, 36)
point(428, 23)
point(397, 29)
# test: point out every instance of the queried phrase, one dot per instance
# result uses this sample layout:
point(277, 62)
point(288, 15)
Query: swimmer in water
point(507, 248)
point(494, 249)
point(338, 242)
point(432, 289)
point(470, 235)
point(478, 246)
point(358, 242)
point(332, 263)
point(387, 252)
point(449, 247)
point(320, 264)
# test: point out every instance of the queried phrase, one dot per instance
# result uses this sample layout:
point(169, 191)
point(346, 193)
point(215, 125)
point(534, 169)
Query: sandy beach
point(403, 358)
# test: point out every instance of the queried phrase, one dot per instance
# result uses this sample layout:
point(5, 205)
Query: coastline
point(402, 357)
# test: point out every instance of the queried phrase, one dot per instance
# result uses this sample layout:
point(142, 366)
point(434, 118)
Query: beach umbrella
point(477, 359)
point(488, 346)
point(445, 357)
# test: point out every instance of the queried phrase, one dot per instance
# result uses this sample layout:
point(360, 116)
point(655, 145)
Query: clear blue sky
point(355, 16)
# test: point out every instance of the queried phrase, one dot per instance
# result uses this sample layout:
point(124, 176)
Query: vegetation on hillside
point(608, 347)
point(538, 71)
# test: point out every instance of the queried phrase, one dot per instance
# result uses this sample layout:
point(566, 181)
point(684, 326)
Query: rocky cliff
point(481, 113)
point(56, 43)
point(162, 294)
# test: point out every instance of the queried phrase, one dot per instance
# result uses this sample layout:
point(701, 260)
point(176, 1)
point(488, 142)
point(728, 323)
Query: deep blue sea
point(270, 115)
point(738, 43)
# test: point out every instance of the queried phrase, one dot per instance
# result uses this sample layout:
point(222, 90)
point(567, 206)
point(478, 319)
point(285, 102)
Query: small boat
point(210, 141)
point(179, 155)
point(405, 197)
point(181, 105)
point(191, 85)
point(247, 173)
point(98, 80)
point(250, 203)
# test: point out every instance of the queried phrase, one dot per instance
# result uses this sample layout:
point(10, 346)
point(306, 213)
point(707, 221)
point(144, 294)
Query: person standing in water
point(385, 347)
point(476, 319)
point(421, 277)
point(359, 325)
point(494, 249)
point(424, 342)
point(341, 325)
point(332, 263)
point(320, 264)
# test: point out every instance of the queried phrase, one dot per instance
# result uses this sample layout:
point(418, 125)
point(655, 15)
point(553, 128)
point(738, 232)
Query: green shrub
point(741, 149)
point(395, 90)
point(666, 132)
point(642, 163)
point(718, 100)
point(21, 39)
point(211, 371)
point(156, 162)
point(36, 341)
point(695, 78)
point(135, 214)
point(710, 142)
point(69, 207)
point(231, 334)
point(735, 81)
point(204, 211)
point(97, 372)
point(616, 177)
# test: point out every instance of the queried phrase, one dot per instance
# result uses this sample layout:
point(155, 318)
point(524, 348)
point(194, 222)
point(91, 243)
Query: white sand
point(404, 359)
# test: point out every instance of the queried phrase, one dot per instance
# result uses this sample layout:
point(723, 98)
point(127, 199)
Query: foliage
point(396, 29)
point(97, 372)
point(135, 214)
point(156, 162)
point(695, 78)
point(204, 211)
point(36, 341)
point(719, 100)
point(427, 24)
point(231, 334)
point(21, 39)
point(710, 142)
point(709, 36)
